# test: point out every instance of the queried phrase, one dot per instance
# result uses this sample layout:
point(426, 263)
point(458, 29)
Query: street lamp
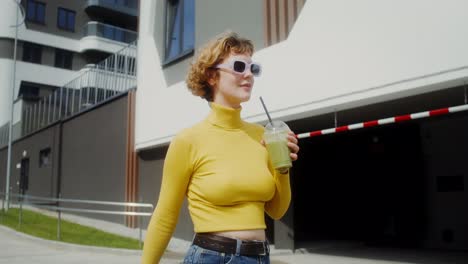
point(10, 126)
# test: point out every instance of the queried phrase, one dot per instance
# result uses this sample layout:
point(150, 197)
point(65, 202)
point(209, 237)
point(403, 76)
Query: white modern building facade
point(57, 41)
point(330, 63)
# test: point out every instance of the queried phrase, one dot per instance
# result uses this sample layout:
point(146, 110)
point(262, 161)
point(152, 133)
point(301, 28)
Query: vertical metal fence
point(109, 32)
point(110, 77)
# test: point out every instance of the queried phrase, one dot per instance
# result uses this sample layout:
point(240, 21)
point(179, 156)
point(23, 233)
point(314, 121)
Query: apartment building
point(72, 81)
point(390, 178)
point(56, 41)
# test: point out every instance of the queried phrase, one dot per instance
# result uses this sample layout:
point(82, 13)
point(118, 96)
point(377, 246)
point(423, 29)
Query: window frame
point(62, 61)
point(67, 13)
point(32, 47)
point(35, 19)
point(29, 92)
point(169, 27)
point(45, 152)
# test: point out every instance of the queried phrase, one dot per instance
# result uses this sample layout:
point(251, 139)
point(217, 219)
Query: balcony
point(110, 32)
point(123, 11)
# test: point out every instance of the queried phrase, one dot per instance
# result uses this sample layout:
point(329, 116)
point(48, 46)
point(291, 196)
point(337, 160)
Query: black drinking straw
point(266, 111)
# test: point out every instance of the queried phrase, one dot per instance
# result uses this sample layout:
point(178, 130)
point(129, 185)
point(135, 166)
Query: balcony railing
point(123, 6)
point(109, 78)
point(109, 32)
point(100, 82)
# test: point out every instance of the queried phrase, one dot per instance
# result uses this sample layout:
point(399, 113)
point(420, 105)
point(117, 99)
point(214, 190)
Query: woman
point(222, 166)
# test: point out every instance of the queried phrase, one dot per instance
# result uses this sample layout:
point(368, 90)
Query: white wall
point(17, 107)
point(340, 54)
point(29, 72)
point(37, 73)
point(339, 50)
point(6, 78)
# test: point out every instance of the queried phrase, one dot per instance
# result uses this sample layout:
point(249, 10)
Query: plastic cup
point(276, 141)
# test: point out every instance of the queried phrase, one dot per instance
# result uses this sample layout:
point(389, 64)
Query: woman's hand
point(292, 144)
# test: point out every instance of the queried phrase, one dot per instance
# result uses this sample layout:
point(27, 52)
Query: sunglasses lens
point(239, 66)
point(255, 69)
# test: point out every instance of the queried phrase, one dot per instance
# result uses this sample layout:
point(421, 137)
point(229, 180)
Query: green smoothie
point(279, 154)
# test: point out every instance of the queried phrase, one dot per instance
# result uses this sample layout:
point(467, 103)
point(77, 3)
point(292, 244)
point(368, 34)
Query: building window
point(44, 158)
point(180, 27)
point(113, 33)
point(66, 19)
point(29, 92)
point(32, 52)
point(63, 59)
point(35, 12)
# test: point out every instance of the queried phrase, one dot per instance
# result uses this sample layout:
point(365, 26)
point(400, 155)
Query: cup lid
point(277, 125)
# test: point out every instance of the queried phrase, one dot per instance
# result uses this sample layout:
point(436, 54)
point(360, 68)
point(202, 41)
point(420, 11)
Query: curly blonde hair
point(211, 54)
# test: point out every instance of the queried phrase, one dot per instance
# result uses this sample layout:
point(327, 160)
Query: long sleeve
point(279, 204)
point(176, 176)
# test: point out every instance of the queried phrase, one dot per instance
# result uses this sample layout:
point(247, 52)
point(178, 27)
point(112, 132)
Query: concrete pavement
point(16, 248)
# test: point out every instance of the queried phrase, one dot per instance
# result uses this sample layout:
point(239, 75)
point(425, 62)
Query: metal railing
point(126, 3)
point(132, 4)
point(110, 77)
point(102, 30)
point(56, 204)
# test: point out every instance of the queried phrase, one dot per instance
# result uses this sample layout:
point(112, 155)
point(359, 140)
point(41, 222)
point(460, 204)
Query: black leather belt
point(228, 245)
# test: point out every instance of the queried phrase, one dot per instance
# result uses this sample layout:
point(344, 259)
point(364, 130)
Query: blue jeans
point(198, 255)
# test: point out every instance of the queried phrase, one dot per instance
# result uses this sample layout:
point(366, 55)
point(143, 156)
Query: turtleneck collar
point(225, 117)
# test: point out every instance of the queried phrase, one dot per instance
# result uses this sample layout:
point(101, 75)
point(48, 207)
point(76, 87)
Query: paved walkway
point(16, 248)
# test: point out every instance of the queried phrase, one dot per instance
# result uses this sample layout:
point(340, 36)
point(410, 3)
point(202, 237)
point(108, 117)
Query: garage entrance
point(366, 185)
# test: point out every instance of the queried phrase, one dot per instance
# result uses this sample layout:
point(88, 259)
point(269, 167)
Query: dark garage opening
point(366, 185)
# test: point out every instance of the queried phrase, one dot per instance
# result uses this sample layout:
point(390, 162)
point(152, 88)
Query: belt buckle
point(266, 249)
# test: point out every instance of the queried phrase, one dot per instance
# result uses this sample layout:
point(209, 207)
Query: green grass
point(44, 226)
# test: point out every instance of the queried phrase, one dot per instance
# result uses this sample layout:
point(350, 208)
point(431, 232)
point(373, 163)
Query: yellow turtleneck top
point(225, 172)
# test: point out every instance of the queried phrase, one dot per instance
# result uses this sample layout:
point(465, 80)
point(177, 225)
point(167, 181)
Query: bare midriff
point(253, 234)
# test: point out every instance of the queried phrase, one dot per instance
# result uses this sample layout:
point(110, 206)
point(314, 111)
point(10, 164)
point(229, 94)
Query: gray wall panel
point(94, 162)
point(150, 174)
point(78, 61)
point(6, 48)
point(48, 56)
point(3, 161)
point(42, 180)
point(93, 158)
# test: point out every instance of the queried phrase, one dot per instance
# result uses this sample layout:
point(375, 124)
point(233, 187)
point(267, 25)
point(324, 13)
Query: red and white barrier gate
point(384, 121)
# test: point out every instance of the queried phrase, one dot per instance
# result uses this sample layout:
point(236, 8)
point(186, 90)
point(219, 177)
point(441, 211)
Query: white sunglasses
point(239, 66)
